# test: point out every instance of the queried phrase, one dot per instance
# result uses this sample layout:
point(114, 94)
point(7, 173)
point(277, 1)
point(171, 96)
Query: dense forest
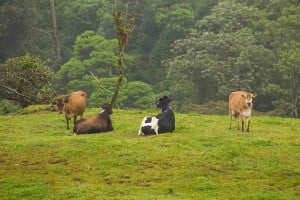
point(196, 51)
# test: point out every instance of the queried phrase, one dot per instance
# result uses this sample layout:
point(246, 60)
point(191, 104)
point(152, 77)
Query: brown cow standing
point(240, 106)
point(72, 105)
point(95, 124)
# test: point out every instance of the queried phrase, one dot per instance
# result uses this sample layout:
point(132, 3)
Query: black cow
point(162, 123)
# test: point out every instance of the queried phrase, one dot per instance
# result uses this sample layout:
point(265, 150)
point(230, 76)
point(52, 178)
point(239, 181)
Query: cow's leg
point(74, 133)
point(140, 132)
point(248, 124)
point(156, 129)
point(68, 124)
point(230, 119)
point(238, 119)
point(75, 119)
point(242, 123)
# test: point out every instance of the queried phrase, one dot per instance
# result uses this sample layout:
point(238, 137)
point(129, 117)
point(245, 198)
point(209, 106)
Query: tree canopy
point(196, 51)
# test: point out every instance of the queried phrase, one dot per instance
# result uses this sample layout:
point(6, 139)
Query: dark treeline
point(196, 51)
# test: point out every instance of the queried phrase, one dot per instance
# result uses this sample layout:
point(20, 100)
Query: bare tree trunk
point(295, 88)
point(114, 98)
point(296, 108)
point(55, 32)
point(121, 67)
point(124, 25)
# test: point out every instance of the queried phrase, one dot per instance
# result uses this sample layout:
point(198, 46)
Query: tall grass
point(202, 159)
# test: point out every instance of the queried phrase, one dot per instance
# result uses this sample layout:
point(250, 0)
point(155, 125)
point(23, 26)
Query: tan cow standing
point(72, 105)
point(240, 106)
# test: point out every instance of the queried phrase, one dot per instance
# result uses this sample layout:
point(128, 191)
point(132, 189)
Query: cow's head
point(248, 98)
point(60, 103)
point(163, 103)
point(107, 108)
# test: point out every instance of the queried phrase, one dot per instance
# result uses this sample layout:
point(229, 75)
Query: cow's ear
point(254, 95)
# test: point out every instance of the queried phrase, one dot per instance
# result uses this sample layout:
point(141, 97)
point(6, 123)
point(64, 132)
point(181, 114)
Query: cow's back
point(236, 101)
point(166, 121)
point(76, 103)
point(94, 124)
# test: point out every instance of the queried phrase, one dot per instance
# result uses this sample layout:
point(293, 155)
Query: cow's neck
point(104, 112)
point(164, 108)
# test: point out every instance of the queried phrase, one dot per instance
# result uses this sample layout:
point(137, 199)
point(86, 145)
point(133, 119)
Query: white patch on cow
point(153, 124)
point(247, 112)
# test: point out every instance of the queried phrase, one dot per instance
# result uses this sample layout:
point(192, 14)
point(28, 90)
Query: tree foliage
point(25, 79)
point(21, 30)
point(222, 55)
point(195, 51)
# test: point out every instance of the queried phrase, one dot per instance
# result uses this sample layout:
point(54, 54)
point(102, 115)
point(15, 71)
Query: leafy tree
point(229, 17)
point(289, 67)
point(221, 55)
point(104, 90)
point(289, 61)
point(25, 80)
point(134, 94)
point(22, 31)
point(92, 55)
point(175, 21)
point(55, 30)
point(76, 16)
point(281, 34)
point(138, 95)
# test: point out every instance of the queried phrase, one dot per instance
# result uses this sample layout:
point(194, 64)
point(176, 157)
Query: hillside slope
point(202, 159)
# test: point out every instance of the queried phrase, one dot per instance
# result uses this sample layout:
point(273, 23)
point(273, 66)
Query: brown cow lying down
point(72, 105)
point(95, 124)
point(240, 106)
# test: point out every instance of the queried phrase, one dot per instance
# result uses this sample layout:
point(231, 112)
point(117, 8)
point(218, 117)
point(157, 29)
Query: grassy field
point(202, 159)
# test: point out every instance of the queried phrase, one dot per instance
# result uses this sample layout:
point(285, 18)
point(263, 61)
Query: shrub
point(39, 108)
point(282, 108)
point(25, 79)
point(137, 95)
point(212, 107)
point(7, 106)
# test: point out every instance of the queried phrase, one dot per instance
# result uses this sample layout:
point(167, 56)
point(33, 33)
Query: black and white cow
point(162, 123)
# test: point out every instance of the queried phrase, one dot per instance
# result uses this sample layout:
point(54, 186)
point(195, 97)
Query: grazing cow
point(95, 124)
point(240, 106)
point(72, 105)
point(162, 123)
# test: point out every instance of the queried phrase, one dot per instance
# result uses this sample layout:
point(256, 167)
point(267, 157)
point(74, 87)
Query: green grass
point(202, 159)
